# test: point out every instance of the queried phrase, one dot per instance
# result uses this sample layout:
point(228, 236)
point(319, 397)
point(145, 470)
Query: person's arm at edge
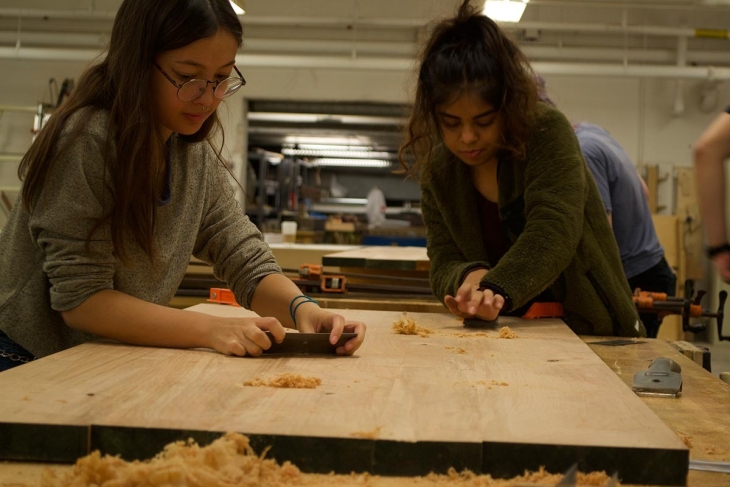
point(710, 152)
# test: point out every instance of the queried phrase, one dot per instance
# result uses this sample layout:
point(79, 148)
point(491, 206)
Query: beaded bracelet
point(293, 309)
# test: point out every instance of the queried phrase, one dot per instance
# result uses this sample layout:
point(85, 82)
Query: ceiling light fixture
point(335, 147)
point(349, 163)
point(505, 10)
point(237, 9)
point(359, 154)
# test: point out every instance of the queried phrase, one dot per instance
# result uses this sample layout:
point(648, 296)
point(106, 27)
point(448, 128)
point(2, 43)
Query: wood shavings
point(618, 367)
point(370, 435)
point(687, 439)
point(490, 383)
point(541, 477)
point(472, 335)
point(229, 460)
point(408, 326)
point(458, 350)
point(286, 381)
point(505, 332)
point(711, 450)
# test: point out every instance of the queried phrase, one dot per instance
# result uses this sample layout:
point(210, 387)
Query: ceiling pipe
point(46, 39)
point(376, 22)
point(612, 70)
point(66, 14)
point(594, 28)
point(705, 5)
point(678, 110)
point(386, 49)
point(397, 64)
point(45, 54)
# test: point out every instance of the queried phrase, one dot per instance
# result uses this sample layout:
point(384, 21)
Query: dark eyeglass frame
point(215, 84)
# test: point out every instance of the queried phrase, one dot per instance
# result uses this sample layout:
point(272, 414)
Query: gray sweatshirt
point(45, 267)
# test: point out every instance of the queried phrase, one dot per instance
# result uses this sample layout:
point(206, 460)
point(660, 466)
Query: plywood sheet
point(459, 398)
point(390, 258)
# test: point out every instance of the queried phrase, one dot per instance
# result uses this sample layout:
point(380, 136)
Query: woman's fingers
point(354, 343)
point(453, 306)
point(338, 325)
point(273, 326)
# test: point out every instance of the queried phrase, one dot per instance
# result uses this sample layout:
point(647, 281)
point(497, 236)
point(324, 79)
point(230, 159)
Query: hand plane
point(663, 378)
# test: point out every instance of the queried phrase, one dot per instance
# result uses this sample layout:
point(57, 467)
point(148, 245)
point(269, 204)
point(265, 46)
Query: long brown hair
point(469, 53)
point(120, 84)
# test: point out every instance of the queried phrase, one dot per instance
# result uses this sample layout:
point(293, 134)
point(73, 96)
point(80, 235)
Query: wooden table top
point(559, 396)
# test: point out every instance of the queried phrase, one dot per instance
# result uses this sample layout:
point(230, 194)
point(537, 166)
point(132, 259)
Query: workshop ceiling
point(674, 39)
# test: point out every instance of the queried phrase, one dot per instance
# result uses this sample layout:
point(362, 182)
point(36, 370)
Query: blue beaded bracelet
point(293, 309)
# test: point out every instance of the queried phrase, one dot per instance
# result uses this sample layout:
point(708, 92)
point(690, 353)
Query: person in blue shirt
point(624, 196)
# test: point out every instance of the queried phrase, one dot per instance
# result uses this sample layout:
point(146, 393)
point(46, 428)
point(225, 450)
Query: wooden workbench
point(499, 406)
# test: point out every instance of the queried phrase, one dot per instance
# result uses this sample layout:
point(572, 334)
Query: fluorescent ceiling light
point(350, 163)
point(335, 147)
point(334, 153)
point(505, 10)
point(323, 118)
point(237, 9)
point(328, 140)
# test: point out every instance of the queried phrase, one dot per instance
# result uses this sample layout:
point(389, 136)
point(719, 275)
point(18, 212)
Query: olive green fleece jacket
point(551, 213)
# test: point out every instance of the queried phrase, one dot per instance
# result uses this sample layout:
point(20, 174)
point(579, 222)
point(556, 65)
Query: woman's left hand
point(313, 319)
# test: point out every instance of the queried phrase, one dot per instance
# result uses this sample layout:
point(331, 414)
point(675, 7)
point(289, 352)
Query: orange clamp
point(544, 310)
point(222, 296)
point(310, 271)
point(333, 284)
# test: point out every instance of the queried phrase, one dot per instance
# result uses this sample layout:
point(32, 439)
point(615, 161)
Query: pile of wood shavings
point(505, 332)
point(472, 335)
point(228, 461)
point(370, 435)
point(458, 350)
point(286, 381)
point(541, 477)
point(408, 326)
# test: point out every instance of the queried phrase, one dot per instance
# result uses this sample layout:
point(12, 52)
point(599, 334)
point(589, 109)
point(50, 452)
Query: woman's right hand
point(244, 336)
point(471, 302)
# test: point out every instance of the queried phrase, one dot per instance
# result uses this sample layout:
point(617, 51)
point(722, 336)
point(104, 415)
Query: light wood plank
point(394, 258)
point(408, 388)
point(700, 415)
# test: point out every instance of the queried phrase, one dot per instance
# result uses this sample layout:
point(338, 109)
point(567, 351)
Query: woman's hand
point(471, 302)
point(313, 319)
point(244, 336)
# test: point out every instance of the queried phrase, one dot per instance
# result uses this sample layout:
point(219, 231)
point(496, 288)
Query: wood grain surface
point(387, 258)
point(701, 416)
point(461, 398)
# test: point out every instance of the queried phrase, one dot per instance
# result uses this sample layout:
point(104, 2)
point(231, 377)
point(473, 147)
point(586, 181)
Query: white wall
point(637, 112)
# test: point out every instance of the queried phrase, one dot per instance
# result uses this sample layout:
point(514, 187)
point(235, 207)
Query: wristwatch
point(713, 251)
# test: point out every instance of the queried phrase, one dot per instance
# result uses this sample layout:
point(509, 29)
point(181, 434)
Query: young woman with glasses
point(511, 211)
point(123, 185)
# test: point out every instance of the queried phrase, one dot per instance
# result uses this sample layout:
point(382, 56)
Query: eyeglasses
point(194, 88)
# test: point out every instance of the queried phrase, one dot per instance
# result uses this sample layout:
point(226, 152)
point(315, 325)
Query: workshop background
point(318, 125)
